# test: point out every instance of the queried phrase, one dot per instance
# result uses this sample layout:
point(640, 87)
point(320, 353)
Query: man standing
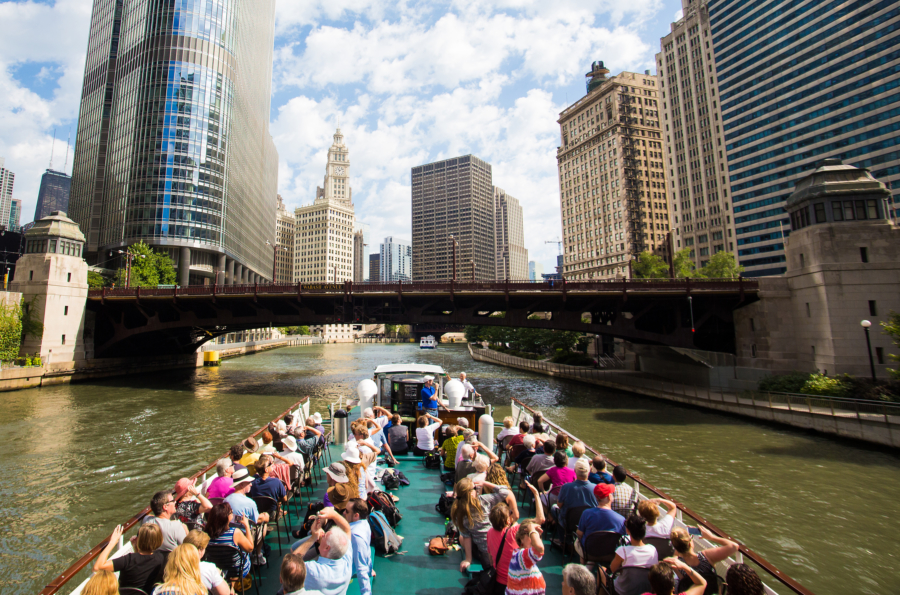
point(471, 393)
point(357, 514)
point(602, 518)
point(429, 402)
point(173, 530)
point(331, 572)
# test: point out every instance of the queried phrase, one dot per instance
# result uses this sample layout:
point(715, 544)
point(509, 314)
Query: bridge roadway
point(691, 313)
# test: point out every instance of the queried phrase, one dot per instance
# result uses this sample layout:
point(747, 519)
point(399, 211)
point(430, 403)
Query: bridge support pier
point(184, 267)
point(220, 268)
point(229, 271)
point(239, 278)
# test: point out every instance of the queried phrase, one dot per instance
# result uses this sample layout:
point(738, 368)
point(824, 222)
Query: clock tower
point(337, 173)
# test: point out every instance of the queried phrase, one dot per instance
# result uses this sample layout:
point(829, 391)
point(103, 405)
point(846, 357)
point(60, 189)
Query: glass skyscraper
point(54, 194)
point(800, 81)
point(173, 144)
point(395, 260)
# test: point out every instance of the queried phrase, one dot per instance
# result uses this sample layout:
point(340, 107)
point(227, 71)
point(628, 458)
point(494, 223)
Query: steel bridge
point(691, 313)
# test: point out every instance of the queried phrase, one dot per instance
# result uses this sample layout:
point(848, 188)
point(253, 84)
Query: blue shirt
point(574, 494)
point(600, 519)
point(428, 399)
point(272, 487)
point(604, 477)
point(241, 505)
point(331, 577)
point(361, 539)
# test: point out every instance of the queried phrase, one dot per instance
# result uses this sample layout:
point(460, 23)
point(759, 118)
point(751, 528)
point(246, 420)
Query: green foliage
point(148, 268)
point(96, 280)
point(31, 326)
point(891, 328)
point(527, 340)
point(650, 266)
point(819, 384)
point(572, 359)
point(722, 265)
point(475, 334)
point(10, 331)
point(785, 383)
point(294, 330)
point(684, 265)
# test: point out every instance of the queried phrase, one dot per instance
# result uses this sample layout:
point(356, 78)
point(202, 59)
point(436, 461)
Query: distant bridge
point(691, 313)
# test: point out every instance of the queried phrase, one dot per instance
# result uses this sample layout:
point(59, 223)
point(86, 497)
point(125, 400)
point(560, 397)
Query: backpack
point(384, 538)
point(444, 505)
point(433, 460)
point(448, 478)
point(383, 503)
point(390, 480)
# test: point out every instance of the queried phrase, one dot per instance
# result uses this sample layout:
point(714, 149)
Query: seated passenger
point(315, 422)
point(190, 504)
point(624, 497)
point(599, 474)
point(465, 461)
point(703, 562)
point(497, 476)
point(743, 580)
point(557, 476)
point(240, 504)
point(663, 580)
point(574, 494)
point(562, 443)
point(636, 554)
point(173, 530)
point(290, 452)
point(307, 440)
point(479, 472)
point(537, 426)
point(518, 438)
point(293, 576)
point(222, 528)
point(141, 569)
point(250, 455)
point(542, 461)
point(235, 453)
point(331, 572)
point(523, 458)
point(507, 430)
point(398, 436)
point(221, 485)
point(578, 580)
point(656, 526)
point(468, 438)
point(182, 573)
point(602, 518)
point(425, 434)
point(101, 583)
point(578, 450)
point(448, 448)
point(266, 447)
point(265, 484)
point(210, 575)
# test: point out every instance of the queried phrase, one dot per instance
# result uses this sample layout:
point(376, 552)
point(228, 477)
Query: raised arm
point(717, 554)
point(331, 515)
point(671, 507)
point(205, 504)
point(313, 430)
point(103, 562)
point(539, 508)
point(369, 444)
point(699, 582)
point(489, 452)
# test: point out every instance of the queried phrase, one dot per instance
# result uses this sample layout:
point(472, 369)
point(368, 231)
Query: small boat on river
point(428, 342)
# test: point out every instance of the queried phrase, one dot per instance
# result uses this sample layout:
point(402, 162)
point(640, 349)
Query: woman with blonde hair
point(507, 430)
point(102, 583)
point(704, 562)
point(470, 513)
point(495, 475)
point(140, 569)
point(182, 573)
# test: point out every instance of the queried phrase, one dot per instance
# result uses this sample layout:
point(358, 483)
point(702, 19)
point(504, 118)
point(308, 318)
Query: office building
point(53, 195)
point(509, 237)
point(395, 260)
point(374, 268)
point(284, 237)
point(173, 144)
point(360, 254)
point(15, 215)
point(7, 182)
point(800, 82)
point(535, 270)
point(453, 203)
point(612, 178)
point(694, 141)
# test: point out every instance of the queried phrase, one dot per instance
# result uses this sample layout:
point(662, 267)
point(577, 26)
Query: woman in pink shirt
point(558, 475)
point(502, 522)
point(221, 486)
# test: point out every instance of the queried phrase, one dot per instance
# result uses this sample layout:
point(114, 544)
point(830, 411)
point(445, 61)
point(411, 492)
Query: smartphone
point(694, 530)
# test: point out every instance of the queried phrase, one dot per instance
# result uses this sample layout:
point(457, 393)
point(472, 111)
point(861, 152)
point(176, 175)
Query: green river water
point(79, 459)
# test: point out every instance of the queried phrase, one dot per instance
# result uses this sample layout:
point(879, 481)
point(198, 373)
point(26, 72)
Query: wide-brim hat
point(339, 494)
point(289, 443)
point(241, 476)
point(181, 488)
point(317, 417)
point(251, 444)
point(337, 472)
point(351, 455)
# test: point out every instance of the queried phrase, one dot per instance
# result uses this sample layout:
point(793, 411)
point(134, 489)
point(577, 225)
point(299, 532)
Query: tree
point(475, 334)
point(96, 280)
point(721, 266)
point(650, 266)
point(892, 329)
point(148, 268)
point(684, 264)
point(10, 331)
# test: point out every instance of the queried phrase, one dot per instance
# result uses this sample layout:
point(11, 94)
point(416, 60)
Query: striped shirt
point(525, 577)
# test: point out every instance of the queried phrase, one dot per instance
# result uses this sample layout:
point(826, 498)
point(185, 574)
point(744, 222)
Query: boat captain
point(429, 397)
point(471, 393)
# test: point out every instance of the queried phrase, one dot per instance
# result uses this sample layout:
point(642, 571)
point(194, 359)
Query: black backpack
point(433, 460)
point(390, 480)
point(445, 505)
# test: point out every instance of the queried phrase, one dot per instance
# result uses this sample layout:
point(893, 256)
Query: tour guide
point(429, 398)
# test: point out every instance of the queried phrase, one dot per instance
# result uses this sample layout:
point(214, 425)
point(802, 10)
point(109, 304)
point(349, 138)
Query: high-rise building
point(509, 237)
point(53, 195)
point(535, 270)
point(7, 182)
point(799, 82)
point(612, 177)
point(284, 237)
point(360, 257)
point(173, 144)
point(453, 201)
point(694, 140)
point(395, 260)
point(15, 215)
point(374, 268)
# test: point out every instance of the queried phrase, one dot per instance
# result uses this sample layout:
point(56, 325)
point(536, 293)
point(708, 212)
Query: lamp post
point(866, 324)
point(129, 257)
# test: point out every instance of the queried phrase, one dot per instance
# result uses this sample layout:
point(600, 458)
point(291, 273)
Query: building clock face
point(339, 170)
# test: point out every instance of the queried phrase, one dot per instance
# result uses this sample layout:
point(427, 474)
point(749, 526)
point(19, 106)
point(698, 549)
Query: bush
point(819, 384)
point(786, 383)
point(572, 359)
point(10, 331)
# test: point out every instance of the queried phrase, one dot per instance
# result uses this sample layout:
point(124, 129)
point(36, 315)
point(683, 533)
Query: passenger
point(663, 581)
point(357, 514)
point(235, 453)
point(465, 463)
point(182, 573)
point(266, 447)
point(578, 580)
point(240, 503)
point(140, 570)
point(276, 436)
point(562, 443)
point(428, 401)
point(542, 461)
point(523, 458)
point(331, 572)
point(293, 576)
point(173, 530)
point(250, 455)
point(525, 577)
point(448, 448)
point(470, 514)
point(599, 474)
point(210, 575)
point(353, 465)
point(481, 465)
point(743, 580)
point(462, 422)
point(361, 462)
point(307, 440)
point(520, 437)
point(574, 494)
point(507, 430)
point(502, 523)
point(578, 450)
point(289, 424)
point(625, 497)
point(219, 527)
point(656, 526)
point(290, 452)
point(497, 476)
point(101, 583)
point(425, 434)
point(703, 562)
point(190, 504)
point(468, 438)
point(537, 426)
point(314, 421)
point(368, 453)
point(398, 436)
point(265, 484)
point(281, 428)
point(602, 518)
point(557, 476)
point(221, 485)
point(635, 555)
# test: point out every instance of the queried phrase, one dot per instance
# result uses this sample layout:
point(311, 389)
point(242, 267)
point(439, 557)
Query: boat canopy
point(410, 369)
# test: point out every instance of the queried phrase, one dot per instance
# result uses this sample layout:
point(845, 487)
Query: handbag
point(438, 546)
point(483, 583)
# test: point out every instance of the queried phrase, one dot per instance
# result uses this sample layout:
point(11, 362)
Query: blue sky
point(410, 82)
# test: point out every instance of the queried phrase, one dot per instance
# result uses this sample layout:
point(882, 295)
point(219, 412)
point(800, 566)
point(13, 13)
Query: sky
point(408, 82)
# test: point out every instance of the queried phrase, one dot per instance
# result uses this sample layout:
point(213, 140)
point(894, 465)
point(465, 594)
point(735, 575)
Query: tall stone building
point(695, 142)
point(374, 268)
point(53, 195)
point(360, 255)
point(454, 198)
point(284, 237)
point(612, 178)
point(173, 144)
point(509, 237)
point(7, 182)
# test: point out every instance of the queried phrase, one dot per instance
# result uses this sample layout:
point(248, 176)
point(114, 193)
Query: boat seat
point(663, 546)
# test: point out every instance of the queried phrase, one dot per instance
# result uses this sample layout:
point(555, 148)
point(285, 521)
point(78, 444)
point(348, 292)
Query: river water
point(78, 459)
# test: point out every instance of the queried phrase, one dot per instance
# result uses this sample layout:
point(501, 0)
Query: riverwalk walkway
point(870, 421)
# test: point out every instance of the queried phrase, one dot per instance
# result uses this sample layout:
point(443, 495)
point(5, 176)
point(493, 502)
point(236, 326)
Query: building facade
point(799, 82)
point(535, 271)
point(53, 195)
point(612, 177)
point(374, 268)
point(173, 145)
point(7, 182)
point(509, 237)
point(284, 237)
point(15, 215)
point(360, 254)
point(698, 189)
point(453, 202)
point(395, 260)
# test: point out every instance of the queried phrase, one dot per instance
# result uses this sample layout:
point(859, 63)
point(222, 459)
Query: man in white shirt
point(470, 390)
point(290, 451)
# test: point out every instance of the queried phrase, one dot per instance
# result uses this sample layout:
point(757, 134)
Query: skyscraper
point(360, 255)
point(173, 144)
point(454, 198)
point(284, 236)
point(7, 182)
point(53, 195)
point(509, 237)
point(395, 260)
point(15, 215)
point(698, 167)
point(799, 81)
point(535, 270)
point(374, 268)
point(612, 178)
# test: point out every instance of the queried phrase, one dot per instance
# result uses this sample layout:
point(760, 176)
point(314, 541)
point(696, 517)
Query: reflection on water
point(78, 459)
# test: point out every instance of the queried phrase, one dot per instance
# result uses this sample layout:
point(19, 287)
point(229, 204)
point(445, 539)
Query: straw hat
point(351, 454)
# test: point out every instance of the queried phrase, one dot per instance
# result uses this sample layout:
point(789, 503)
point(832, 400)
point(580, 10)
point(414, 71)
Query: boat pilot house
point(400, 387)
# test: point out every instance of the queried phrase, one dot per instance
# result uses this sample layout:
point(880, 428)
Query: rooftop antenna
point(52, 147)
point(66, 166)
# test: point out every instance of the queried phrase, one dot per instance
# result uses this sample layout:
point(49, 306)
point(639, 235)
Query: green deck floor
point(415, 571)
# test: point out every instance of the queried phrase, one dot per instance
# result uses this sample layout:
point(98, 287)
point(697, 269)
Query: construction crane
point(559, 267)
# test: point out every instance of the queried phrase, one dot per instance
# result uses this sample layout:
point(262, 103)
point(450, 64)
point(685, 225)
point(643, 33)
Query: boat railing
point(301, 407)
point(522, 411)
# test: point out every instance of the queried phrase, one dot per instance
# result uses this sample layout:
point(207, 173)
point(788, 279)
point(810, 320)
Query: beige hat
point(241, 476)
point(289, 443)
point(351, 454)
point(337, 472)
point(317, 417)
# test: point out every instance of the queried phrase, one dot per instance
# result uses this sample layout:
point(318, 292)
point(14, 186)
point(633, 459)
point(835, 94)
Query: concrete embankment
point(869, 421)
point(227, 350)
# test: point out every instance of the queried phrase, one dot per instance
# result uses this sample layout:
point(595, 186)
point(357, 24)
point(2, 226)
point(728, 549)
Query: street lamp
point(866, 324)
point(129, 257)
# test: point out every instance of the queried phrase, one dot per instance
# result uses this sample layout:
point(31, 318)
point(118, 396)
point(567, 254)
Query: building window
point(66, 311)
point(63, 339)
point(802, 260)
point(69, 277)
point(31, 275)
point(820, 212)
point(753, 350)
point(813, 350)
point(873, 310)
point(808, 313)
point(837, 211)
point(752, 325)
point(879, 354)
point(864, 254)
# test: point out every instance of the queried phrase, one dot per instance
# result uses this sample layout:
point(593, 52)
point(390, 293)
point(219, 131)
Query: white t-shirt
point(425, 436)
point(382, 421)
point(293, 457)
point(644, 556)
point(662, 528)
point(468, 386)
point(573, 460)
point(507, 432)
point(210, 575)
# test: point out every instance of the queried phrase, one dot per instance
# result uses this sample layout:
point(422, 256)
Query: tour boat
point(428, 342)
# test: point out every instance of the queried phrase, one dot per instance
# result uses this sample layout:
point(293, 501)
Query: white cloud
point(679, 15)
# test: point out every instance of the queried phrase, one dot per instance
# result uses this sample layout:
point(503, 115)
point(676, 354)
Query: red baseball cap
point(603, 490)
